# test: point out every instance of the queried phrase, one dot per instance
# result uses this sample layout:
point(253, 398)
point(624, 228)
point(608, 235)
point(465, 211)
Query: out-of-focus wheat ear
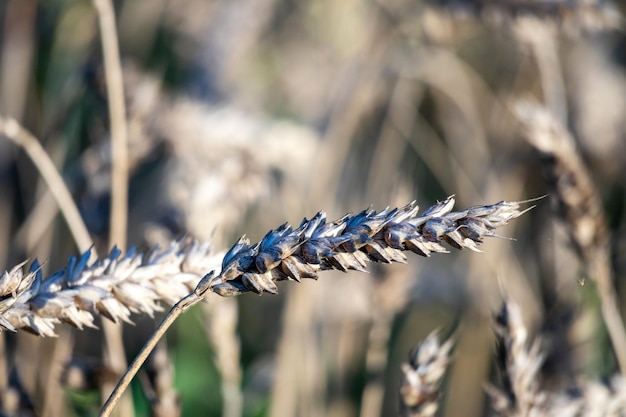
point(422, 376)
point(519, 366)
point(578, 204)
point(521, 394)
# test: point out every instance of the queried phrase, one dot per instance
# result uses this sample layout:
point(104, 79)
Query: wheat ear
point(519, 366)
point(354, 240)
point(119, 285)
point(419, 393)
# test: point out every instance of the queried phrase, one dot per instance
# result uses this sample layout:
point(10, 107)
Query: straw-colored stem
point(375, 364)
point(61, 354)
point(600, 270)
point(175, 312)
point(4, 375)
point(119, 129)
point(296, 332)
point(222, 317)
point(13, 131)
point(115, 355)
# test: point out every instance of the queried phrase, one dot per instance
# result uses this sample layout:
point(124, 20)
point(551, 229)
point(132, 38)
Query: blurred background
point(245, 114)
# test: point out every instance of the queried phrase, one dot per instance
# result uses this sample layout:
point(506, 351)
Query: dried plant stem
point(115, 359)
point(175, 312)
point(162, 395)
point(363, 85)
point(290, 369)
point(600, 270)
point(115, 355)
point(396, 127)
point(61, 354)
point(375, 363)
point(117, 114)
point(37, 223)
point(4, 374)
point(222, 318)
point(13, 131)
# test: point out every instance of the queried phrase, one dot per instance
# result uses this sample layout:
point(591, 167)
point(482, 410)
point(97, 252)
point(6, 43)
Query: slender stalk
point(221, 327)
point(600, 270)
point(115, 355)
point(175, 312)
point(375, 364)
point(13, 131)
point(117, 114)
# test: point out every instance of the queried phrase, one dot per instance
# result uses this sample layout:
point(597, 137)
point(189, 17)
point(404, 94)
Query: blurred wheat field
point(242, 115)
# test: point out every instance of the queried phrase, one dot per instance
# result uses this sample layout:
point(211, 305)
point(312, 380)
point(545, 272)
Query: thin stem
point(601, 271)
point(119, 130)
point(222, 319)
point(115, 355)
point(13, 131)
point(175, 312)
point(375, 363)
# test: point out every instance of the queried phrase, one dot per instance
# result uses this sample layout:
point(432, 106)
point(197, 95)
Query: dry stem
point(178, 309)
point(114, 355)
point(13, 131)
point(117, 114)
